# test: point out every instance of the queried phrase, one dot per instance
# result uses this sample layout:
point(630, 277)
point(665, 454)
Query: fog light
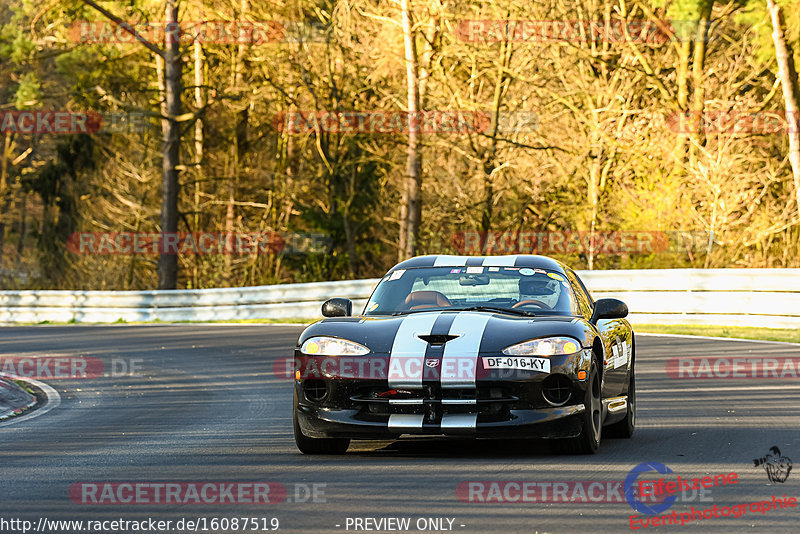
point(581, 375)
point(315, 390)
point(556, 389)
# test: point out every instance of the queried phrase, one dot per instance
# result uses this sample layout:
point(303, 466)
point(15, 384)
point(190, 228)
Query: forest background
point(359, 132)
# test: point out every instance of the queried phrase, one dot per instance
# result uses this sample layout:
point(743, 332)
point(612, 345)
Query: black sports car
point(488, 347)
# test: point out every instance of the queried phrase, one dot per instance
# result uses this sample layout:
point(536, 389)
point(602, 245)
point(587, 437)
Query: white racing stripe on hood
point(407, 358)
point(460, 361)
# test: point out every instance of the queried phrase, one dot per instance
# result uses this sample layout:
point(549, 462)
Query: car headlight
point(548, 346)
point(332, 346)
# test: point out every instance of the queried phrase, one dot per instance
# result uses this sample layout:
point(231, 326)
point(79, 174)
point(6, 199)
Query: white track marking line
point(687, 336)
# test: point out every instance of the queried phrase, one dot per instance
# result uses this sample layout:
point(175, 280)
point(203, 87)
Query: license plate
point(528, 363)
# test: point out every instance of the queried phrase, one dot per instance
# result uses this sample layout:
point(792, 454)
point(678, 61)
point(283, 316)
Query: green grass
point(25, 386)
point(257, 321)
point(741, 332)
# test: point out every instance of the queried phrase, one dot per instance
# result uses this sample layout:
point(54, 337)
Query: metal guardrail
point(728, 297)
point(286, 301)
point(768, 298)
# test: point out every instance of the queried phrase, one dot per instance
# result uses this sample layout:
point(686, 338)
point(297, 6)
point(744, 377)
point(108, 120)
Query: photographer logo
point(776, 465)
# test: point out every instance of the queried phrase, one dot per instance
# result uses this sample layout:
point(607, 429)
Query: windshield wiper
point(495, 309)
point(470, 308)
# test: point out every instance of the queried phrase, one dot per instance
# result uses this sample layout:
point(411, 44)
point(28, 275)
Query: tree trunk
point(239, 147)
point(411, 207)
point(3, 186)
point(698, 83)
point(168, 65)
point(349, 241)
point(490, 159)
point(682, 79)
point(789, 84)
point(23, 220)
point(594, 198)
point(168, 260)
point(198, 150)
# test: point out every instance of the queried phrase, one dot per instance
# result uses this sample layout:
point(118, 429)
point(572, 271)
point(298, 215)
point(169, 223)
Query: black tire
point(588, 441)
point(309, 445)
point(624, 429)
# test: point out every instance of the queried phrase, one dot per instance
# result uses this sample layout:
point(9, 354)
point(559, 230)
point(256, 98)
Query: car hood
point(487, 332)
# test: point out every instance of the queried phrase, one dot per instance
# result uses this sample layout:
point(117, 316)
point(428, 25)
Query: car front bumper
point(499, 404)
point(555, 422)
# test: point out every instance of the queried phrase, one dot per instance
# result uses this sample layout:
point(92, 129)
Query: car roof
point(516, 260)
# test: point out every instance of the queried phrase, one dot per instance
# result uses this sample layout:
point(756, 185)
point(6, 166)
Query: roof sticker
point(450, 261)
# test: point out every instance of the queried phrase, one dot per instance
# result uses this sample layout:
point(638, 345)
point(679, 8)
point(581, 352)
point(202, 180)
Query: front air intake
point(315, 390)
point(436, 339)
point(556, 389)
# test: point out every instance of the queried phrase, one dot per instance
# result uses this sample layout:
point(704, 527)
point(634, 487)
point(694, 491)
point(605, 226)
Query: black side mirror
point(337, 308)
point(609, 309)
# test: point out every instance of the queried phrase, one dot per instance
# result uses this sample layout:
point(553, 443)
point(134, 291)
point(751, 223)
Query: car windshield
point(513, 290)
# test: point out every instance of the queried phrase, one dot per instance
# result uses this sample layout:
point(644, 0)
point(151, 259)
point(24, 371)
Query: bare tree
point(788, 79)
point(170, 128)
point(411, 206)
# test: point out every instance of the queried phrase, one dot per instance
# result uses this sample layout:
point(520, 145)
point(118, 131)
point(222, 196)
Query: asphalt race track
point(203, 404)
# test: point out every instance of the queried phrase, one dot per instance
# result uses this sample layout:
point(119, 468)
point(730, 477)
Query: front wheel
point(309, 445)
point(588, 441)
